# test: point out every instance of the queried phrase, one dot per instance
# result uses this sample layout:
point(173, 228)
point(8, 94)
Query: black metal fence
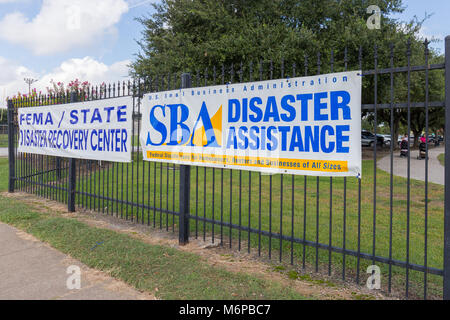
point(335, 226)
point(3, 129)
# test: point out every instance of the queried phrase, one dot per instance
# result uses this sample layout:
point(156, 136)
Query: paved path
point(31, 270)
point(3, 152)
point(436, 172)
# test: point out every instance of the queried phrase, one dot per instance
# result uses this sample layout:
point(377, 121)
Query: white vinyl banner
point(306, 126)
point(95, 130)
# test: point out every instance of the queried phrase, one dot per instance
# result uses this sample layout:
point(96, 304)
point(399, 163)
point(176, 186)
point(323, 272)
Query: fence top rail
point(143, 85)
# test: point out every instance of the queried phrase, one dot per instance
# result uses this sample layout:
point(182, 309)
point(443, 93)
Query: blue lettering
point(311, 139)
point(234, 105)
point(254, 137)
point(318, 106)
point(271, 110)
point(174, 124)
point(96, 116)
point(341, 138)
point(289, 108)
point(273, 139)
point(232, 141)
point(74, 117)
point(323, 142)
point(121, 114)
point(296, 140)
point(304, 98)
point(158, 126)
point(343, 104)
point(258, 115)
point(242, 135)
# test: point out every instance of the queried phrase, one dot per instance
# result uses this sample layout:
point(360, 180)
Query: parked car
point(368, 139)
point(386, 137)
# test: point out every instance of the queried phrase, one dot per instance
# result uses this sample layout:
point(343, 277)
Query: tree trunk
point(416, 137)
point(396, 132)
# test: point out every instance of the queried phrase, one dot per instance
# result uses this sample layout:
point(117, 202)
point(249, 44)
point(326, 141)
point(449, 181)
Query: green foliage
point(197, 35)
point(194, 35)
point(189, 35)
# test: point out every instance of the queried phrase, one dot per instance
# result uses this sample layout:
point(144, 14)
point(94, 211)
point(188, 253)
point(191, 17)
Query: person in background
point(404, 146)
point(405, 138)
point(422, 148)
point(423, 139)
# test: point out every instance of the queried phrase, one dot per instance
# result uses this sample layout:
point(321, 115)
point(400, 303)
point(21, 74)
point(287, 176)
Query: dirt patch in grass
point(308, 284)
point(367, 153)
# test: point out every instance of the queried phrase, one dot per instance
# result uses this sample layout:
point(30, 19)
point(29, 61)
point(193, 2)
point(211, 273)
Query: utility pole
point(29, 81)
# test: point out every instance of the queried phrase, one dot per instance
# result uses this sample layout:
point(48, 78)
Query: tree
point(196, 35)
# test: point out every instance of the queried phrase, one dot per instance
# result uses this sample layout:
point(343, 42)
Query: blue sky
point(47, 39)
point(117, 46)
point(34, 41)
point(437, 26)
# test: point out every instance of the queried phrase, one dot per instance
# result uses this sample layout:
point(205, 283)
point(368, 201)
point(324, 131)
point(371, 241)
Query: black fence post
point(11, 141)
point(447, 173)
point(58, 168)
point(185, 185)
point(72, 172)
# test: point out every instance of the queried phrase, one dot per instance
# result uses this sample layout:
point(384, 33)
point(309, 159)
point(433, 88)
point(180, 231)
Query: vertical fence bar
point(71, 192)
point(425, 262)
point(374, 229)
point(185, 185)
point(344, 228)
point(408, 196)
point(447, 174)
point(391, 184)
point(11, 136)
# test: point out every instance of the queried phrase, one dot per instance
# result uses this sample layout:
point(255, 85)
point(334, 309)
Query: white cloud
point(85, 69)
point(11, 79)
point(62, 25)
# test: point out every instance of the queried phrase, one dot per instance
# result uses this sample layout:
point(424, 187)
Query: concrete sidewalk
point(436, 172)
point(32, 270)
point(3, 152)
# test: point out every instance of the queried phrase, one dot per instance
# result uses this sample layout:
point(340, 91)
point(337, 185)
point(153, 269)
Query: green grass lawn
point(4, 172)
point(441, 159)
point(154, 185)
point(175, 274)
point(3, 141)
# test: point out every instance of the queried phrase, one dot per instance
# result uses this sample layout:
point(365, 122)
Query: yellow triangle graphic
point(200, 139)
